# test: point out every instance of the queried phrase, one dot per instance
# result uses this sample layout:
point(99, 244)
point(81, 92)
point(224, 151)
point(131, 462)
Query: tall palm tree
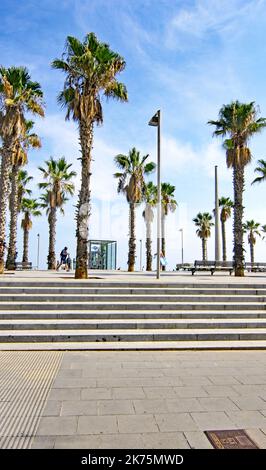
point(203, 221)
point(168, 204)
point(150, 199)
point(18, 95)
point(131, 183)
point(239, 122)
point(261, 170)
point(19, 158)
point(252, 229)
point(29, 208)
point(91, 68)
point(57, 187)
point(226, 208)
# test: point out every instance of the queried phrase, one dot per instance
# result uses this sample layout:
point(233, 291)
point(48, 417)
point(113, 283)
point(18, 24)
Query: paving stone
point(250, 389)
point(247, 419)
point(183, 404)
point(57, 426)
point(115, 407)
point(62, 394)
point(195, 380)
point(249, 402)
point(164, 440)
point(213, 420)
point(79, 408)
point(137, 424)
point(159, 392)
point(69, 373)
point(190, 392)
point(52, 408)
point(252, 379)
point(43, 442)
point(130, 392)
point(175, 422)
point(221, 391)
point(150, 406)
point(121, 441)
point(223, 379)
point(96, 394)
point(77, 442)
point(217, 404)
point(97, 425)
point(72, 382)
point(197, 440)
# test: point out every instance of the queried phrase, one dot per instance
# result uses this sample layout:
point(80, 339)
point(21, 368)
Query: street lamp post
point(156, 122)
point(38, 250)
point(182, 245)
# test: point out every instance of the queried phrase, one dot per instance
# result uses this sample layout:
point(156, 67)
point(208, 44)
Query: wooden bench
point(212, 266)
point(255, 267)
point(21, 266)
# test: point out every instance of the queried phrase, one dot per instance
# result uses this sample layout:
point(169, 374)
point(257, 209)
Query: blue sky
point(185, 57)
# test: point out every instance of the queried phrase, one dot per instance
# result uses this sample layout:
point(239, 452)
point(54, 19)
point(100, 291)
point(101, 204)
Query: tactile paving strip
point(25, 381)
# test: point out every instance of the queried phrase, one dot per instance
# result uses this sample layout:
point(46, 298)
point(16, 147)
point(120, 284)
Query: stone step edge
point(136, 346)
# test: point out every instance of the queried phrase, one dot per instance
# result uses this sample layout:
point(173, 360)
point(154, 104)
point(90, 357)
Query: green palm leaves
point(203, 221)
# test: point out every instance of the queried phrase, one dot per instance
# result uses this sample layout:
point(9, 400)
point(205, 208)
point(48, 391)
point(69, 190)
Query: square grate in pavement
point(230, 439)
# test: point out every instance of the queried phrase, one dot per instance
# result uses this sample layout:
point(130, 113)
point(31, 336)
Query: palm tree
point(204, 222)
point(168, 204)
point(251, 228)
point(30, 208)
point(57, 186)
point(18, 94)
point(261, 169)
point(23, 180)
point(131, 183)
point(19, 158)
point(239, 122)
point(226, 207)
point(150, 198)
point(91, 68)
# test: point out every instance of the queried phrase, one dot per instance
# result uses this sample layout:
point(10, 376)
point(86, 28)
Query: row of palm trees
point(203, 222)
point(91, 68)
point(131, 182)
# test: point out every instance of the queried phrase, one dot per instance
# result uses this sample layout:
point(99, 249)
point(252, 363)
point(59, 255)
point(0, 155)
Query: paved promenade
point(131, 399)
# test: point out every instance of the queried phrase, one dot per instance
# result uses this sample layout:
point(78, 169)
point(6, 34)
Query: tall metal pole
point(38, 250)
point(182, 246)
point(217, 219)
point(140, 255)
point(158, 192)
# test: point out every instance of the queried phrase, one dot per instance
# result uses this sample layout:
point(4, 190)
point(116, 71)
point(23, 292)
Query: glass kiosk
point(102, 254)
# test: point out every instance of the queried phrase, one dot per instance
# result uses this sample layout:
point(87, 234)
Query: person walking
point(64, 255)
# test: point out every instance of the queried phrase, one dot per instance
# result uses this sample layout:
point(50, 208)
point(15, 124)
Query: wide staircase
point(95, 315)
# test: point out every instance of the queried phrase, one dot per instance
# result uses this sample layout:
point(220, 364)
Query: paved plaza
point(130, 399)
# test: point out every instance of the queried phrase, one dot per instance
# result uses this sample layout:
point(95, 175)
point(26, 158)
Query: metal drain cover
point(230, 439)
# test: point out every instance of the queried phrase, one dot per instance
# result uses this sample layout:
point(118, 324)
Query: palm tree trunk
point(223, 240)
point(132, 238)
point(83, 206)
point(25, 258)
point(238, 178)
point(252, 253)
point(163, 236)
point(51, 258)
point(148, 247)
point(12, 247)
point(4, 189)
point(204, 249)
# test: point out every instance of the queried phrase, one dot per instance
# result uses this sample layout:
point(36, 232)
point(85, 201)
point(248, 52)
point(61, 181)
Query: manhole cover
point(231, 439)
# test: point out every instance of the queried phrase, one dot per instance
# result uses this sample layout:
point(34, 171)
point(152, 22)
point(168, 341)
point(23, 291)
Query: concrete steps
point(71, 314)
